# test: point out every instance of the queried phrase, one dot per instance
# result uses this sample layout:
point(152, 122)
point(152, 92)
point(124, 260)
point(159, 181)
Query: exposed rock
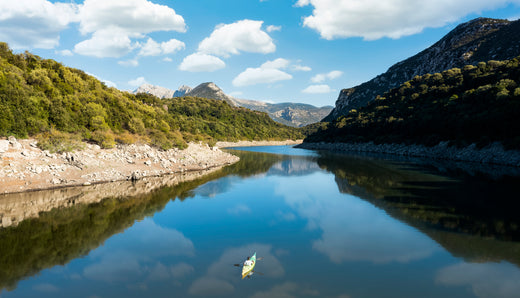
point(4, 146)
point(93, 165)
point(478, 40)
point(182, 91)
point(160, 92)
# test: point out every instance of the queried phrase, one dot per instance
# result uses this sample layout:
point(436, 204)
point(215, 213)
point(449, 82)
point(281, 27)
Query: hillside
point(481, 39)
point(291, 114)
point(477, 104)
point(42, 98)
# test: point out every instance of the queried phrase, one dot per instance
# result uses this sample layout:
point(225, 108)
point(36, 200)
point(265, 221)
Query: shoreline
point(24, 167)
point(257, 143)
point(493, 154)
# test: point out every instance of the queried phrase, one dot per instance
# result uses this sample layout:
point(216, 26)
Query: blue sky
point(270, 50)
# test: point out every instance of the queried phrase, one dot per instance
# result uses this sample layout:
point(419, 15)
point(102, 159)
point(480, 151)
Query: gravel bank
point(492, 154)
point(25, 167)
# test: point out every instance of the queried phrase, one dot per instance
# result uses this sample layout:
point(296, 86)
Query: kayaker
point(248, 262)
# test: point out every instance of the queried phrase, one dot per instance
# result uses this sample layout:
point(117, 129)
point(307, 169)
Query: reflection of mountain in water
point(471, 216)
point(79, 220)
point(296, 166)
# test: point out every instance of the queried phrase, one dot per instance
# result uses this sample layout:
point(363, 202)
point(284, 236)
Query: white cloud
point(113, 24)
point(317, 89)
point(324, 76)
point(65, 53)
point(129, 63)
point(241, 36)
point(272, 28)
point(199, 62)
point(267, 73)
point(133, 16)
point(137, 82)
point(279, 63)
point(153, 48)
point(374, 19)
point(298, 67)
point(112, 42)
point(34, 23)
point(167, 59)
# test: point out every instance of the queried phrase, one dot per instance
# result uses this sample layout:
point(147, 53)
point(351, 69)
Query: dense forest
point(61, 106)
point(476, 104)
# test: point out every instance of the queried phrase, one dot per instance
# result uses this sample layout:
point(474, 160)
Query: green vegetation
point(477, 104)
point(41, 96)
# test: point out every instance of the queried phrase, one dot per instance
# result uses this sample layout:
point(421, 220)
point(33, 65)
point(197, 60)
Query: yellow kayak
point(246, 269)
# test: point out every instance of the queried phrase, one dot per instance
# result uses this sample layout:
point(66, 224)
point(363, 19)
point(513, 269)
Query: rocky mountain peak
point(160, 92)
point(211, 90)
point(478, 40)
point(182, 90)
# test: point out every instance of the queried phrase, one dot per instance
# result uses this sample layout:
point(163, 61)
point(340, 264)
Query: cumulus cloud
point(241, 36)
point(200, 62)
point(326, 76)
point(65, 53)
point(298, 67)
point(137, 82)
point(267, 73)
point(113, 24)
point(106, 43)
point(374, 19)
point(317, 89)
point(272, 28)
point(34, 23)
point(129, 63)
point(153, 48)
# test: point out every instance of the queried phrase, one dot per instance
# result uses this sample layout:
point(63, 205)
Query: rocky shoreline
point(25, 167)
point(492, 154)
point(257, 143)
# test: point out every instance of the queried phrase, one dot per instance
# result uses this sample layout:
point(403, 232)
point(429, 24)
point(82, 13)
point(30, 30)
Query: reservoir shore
point(25, 167)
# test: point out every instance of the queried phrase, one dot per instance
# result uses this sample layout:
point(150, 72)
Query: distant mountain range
point(293, 114)
point(478, 40)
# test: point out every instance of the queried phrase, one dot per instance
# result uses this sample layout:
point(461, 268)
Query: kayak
point(247, 269)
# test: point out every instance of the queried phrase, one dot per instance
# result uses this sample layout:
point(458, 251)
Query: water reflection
point(352, 230)
point(327, 225)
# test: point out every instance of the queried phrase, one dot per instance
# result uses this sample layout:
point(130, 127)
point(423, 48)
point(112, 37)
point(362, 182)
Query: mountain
point(182, 90)
point(478, 40)
point(212, 91)
point(56, 104)
point(474, 105)
point(160, 92)
point(292, 114)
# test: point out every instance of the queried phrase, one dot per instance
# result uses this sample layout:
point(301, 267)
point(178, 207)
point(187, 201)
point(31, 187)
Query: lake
point(325, 225)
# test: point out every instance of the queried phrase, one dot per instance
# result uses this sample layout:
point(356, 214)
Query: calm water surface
point(326, 226)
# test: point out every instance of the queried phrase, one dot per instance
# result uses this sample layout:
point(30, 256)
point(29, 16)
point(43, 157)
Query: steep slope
point(478, 40)
point(43, 98)
point(293, 114)
point(182, 90)
point(474, 105)
point(212, 91)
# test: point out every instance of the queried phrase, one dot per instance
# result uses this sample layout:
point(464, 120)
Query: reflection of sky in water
point(352, 229)
point(487, 280)
point(315, 241)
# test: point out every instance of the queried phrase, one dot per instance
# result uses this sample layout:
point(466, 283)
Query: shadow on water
point(470, 215)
